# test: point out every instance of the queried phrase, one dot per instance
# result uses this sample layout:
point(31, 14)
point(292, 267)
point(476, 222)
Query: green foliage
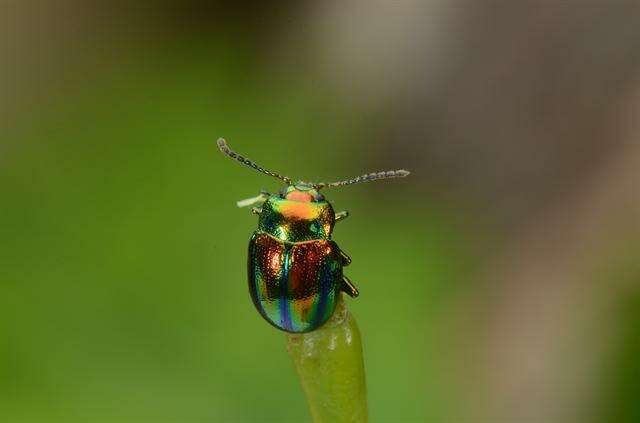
point(331, 370)
point(123, 291)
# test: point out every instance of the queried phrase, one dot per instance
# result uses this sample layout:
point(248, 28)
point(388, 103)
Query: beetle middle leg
point(346, 260)
point(348, 287)
point(341, 215)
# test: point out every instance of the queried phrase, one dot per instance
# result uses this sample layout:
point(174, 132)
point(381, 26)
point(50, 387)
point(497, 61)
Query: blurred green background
point(498, 283)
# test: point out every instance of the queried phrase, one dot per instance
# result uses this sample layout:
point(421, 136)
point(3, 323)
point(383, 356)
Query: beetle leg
point(349, 287)
point(261, 198)
point(341, 215)
point(256, 210)
point(346, 260)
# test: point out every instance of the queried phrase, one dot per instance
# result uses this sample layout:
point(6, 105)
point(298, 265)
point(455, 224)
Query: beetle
point(294, 267)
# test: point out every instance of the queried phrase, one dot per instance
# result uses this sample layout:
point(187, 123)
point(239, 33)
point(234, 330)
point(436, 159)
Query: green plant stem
point(331, 370)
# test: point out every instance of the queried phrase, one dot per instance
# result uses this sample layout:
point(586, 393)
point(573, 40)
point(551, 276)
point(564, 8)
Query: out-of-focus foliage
point(123, 256)
point(498, 282)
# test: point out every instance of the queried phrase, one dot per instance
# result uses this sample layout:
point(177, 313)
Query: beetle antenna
point(222, 145)
point(400, 173)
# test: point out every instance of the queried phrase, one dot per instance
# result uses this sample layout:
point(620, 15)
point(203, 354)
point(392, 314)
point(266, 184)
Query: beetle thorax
point(297, 215)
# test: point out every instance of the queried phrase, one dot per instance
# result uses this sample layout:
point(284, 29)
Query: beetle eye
point(320, 197)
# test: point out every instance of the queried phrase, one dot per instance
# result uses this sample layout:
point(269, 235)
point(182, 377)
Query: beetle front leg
point(258, 200)
point(348, 287)
point(341, 215)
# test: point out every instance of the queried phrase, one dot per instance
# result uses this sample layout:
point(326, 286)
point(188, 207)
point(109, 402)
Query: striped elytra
point(294, 285)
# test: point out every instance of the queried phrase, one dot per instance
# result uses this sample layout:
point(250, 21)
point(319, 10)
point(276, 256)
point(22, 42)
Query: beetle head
point(301, 192)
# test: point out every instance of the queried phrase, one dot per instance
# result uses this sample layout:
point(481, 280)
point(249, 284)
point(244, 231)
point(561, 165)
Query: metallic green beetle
point(295, 269)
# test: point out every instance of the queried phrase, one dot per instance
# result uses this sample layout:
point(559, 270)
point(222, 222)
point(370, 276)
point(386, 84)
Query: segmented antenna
point(401, 173)
point(222, 145)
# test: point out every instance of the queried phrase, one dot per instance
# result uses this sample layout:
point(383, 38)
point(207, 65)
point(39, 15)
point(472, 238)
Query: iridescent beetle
point(295, 269)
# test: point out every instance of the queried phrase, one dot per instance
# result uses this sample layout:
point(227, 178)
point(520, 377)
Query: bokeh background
point(499, 283)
